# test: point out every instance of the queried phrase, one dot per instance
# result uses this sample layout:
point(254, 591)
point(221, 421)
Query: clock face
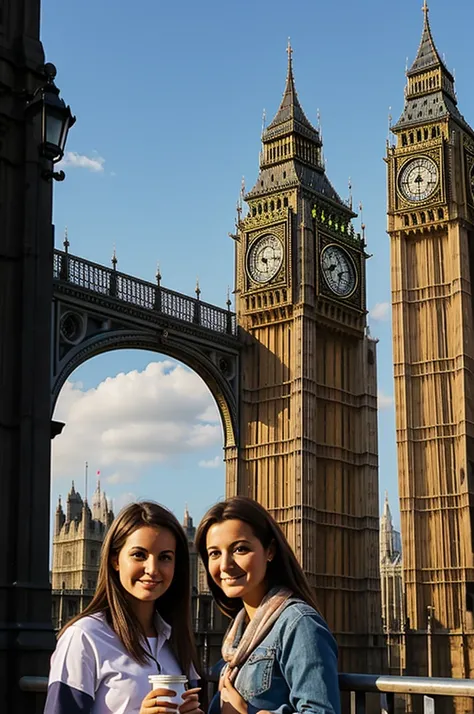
point(419, 179)
point(265, 258)
point(338, 270)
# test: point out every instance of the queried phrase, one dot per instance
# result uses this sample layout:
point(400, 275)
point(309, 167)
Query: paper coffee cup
point(175, 682)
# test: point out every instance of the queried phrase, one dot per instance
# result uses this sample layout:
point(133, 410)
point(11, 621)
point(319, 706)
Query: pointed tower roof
point(430, 94)
point(386, 509)
point(290, 115)
point(288, 163)
point(428, 55)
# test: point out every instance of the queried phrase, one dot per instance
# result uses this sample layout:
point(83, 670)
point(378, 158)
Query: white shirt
point(91, 671)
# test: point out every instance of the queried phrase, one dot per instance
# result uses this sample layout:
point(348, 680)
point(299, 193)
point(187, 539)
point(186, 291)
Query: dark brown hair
point(174, 605)
point(283, 570)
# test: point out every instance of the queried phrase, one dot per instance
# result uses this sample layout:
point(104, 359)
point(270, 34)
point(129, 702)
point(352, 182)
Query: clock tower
point(431, 227)
point(308, 384)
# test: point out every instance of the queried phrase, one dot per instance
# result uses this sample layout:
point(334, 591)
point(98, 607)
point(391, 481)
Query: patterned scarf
point(237, 647)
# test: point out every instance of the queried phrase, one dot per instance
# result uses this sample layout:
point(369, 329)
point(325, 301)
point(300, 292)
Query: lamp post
point(55, 121)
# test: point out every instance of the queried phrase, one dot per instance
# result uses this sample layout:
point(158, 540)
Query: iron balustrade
point(109, 282)
point(359, 685)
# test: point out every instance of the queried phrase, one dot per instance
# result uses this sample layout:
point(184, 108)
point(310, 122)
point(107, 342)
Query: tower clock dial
point(265, 258)
point(338, 270)
point(419, 179)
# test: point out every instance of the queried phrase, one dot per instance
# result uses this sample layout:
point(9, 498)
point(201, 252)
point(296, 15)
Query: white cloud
point(74, 160)
point(211, 463)
point(134, 420)
point(385, 401)
point(119, 477)
point(380, 312)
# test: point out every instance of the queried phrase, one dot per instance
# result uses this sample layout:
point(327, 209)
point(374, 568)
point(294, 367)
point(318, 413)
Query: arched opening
point(138, 425)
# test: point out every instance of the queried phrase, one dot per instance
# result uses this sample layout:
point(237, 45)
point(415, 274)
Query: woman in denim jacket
point(279, 654)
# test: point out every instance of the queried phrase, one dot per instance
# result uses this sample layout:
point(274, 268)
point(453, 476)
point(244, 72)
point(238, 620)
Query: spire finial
point(114, 259)
point(425, 9)
point(362, 224)
point(228, 301)
point(350, 193)
point(289, 49)
point(65, 241)
point(158, 275)
point(198, 289)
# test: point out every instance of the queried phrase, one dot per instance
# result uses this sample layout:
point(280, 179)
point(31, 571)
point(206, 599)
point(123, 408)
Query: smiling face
point(238, 561)
point(146, 563)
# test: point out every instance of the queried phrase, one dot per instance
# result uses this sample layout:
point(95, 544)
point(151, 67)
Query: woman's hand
point(152, 705)
point(231, 700)
point(190, 703)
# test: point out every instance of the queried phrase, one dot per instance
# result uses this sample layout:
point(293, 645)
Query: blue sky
point(169, 100)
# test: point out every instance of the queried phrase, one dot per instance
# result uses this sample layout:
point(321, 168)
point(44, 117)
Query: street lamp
point(56, 120)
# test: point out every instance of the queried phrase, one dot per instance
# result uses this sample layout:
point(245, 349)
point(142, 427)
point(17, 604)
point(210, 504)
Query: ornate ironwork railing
point(109, 282)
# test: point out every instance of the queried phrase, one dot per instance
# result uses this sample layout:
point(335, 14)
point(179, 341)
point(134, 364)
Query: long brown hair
point(174, 605)
point(283, 570)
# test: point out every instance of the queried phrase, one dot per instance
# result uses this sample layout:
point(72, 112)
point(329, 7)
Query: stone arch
point(218, 371)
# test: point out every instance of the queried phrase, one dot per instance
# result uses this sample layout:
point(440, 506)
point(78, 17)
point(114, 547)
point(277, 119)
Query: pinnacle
point(290, 107)
point(427, 55)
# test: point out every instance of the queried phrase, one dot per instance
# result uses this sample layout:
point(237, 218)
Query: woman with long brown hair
point(279, 654)
point(138, 624)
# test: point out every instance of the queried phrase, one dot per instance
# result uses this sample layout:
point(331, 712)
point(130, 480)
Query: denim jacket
point(294, 669)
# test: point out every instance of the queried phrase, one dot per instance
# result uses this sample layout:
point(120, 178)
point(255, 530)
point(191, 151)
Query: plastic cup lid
point(167, 678)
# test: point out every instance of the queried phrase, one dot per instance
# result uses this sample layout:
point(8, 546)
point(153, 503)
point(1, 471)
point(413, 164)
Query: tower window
point(285, 201)
point(411, 137)
point(430, 216)
point(284, 174)
point(422, 217)
point(470, 596)
point(265, 207)
point(433, 133)
point(418, 135)
point(414, 219)
point(272, 178)
point(407, 220)
point(404, 140)
point(425, 134)
point(254, 211)
point(440, 214)
point(272, 205)
point(259, 208)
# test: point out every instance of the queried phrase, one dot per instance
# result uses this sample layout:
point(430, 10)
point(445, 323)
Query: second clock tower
point(431, 227)
point(308, 389)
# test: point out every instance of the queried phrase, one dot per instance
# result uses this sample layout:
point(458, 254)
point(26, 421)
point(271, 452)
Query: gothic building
point(77, 540)
point(308, 408)
point(391, 578)
point(431, 227)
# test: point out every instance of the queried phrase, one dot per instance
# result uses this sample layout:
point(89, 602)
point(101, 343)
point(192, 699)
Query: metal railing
point(109, 282)
point(358, 684)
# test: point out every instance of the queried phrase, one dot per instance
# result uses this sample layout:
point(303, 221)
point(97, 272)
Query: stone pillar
point(26, 253)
